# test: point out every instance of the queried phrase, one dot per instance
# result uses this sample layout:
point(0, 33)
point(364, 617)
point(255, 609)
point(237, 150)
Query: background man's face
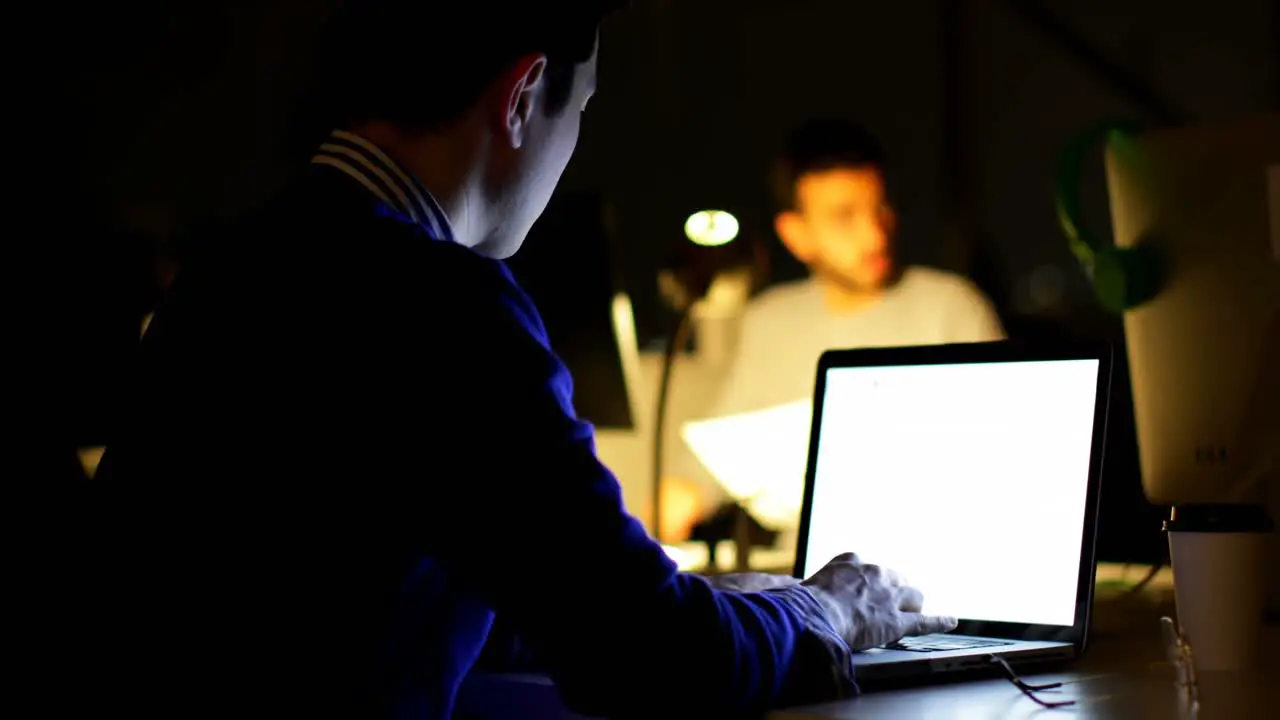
point(843, 227)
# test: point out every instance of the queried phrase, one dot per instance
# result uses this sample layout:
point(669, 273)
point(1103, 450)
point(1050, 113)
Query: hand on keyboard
point(870, 606)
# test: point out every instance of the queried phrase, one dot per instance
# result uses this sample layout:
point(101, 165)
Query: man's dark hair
point(421, 65)
point(823, 144)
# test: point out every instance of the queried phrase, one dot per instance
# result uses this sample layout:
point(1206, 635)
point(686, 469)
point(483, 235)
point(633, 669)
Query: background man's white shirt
point(785, 329)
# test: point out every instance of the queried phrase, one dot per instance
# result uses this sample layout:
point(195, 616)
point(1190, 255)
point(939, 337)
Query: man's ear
point(791, 231)
point(522, 85)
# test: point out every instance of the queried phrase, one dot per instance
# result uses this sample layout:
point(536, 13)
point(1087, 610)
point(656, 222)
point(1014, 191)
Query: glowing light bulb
point(711, 228)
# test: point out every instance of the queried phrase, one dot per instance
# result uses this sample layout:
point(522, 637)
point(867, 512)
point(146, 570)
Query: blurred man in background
point(834, 216)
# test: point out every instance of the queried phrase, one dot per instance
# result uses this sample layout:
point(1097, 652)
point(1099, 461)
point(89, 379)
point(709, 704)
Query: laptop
point(973, 471)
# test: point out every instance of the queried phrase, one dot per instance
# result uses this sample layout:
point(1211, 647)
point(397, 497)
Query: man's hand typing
point(870, 606)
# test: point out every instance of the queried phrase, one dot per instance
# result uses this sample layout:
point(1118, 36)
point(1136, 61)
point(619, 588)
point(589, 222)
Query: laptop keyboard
point(938, 643)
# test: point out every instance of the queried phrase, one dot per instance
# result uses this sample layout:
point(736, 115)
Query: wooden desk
point(1097, 696)
point(1123, 675)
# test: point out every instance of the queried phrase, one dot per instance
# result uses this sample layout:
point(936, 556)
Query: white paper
point(1273, 203)
point(758, 457)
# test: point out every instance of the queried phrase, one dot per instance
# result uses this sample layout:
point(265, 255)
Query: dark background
point(149, 120)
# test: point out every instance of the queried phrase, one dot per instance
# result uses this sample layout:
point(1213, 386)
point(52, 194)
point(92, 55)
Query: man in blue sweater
point(351, 445)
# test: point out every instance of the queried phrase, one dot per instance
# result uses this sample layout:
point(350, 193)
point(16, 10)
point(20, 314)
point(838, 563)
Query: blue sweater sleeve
point(557, 555)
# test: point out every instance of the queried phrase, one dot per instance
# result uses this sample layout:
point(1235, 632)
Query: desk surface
point(1123, 675)
point(1100, 696)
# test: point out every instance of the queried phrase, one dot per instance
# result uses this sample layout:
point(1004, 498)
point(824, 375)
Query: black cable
point(1027, 688)
point(1146, 580)
point(679, 336)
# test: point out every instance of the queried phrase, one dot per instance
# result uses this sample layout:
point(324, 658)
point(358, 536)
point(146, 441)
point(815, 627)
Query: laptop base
point(887, 664)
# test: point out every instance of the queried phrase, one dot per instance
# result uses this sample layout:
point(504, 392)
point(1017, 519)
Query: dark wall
point(186, 106)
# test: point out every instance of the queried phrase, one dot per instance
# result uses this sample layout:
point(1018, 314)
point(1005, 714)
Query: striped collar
point(379, 174)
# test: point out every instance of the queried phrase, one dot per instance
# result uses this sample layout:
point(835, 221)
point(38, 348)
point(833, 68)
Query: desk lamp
point(713, 269)
point(707, 282)
point(732, 522)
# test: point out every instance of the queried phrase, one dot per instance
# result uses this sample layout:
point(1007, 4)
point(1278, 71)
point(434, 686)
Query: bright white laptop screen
point(970, 480)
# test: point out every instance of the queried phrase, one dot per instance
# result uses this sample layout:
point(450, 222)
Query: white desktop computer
point(1204, 350)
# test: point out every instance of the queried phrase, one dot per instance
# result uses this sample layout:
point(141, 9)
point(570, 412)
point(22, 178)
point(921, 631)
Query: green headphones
point(1123, 278)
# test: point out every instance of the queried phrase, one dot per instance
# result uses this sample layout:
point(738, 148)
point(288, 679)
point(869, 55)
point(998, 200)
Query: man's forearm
point(751, 581)
point(625, 630)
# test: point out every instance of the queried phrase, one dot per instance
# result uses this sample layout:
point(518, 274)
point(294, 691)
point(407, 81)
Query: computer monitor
point(566, 265)
point(1203, 352)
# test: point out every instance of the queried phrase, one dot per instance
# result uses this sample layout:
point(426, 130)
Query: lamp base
point(731, 522)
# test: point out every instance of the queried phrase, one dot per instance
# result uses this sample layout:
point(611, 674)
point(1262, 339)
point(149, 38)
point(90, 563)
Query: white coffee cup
point(1217, 556)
